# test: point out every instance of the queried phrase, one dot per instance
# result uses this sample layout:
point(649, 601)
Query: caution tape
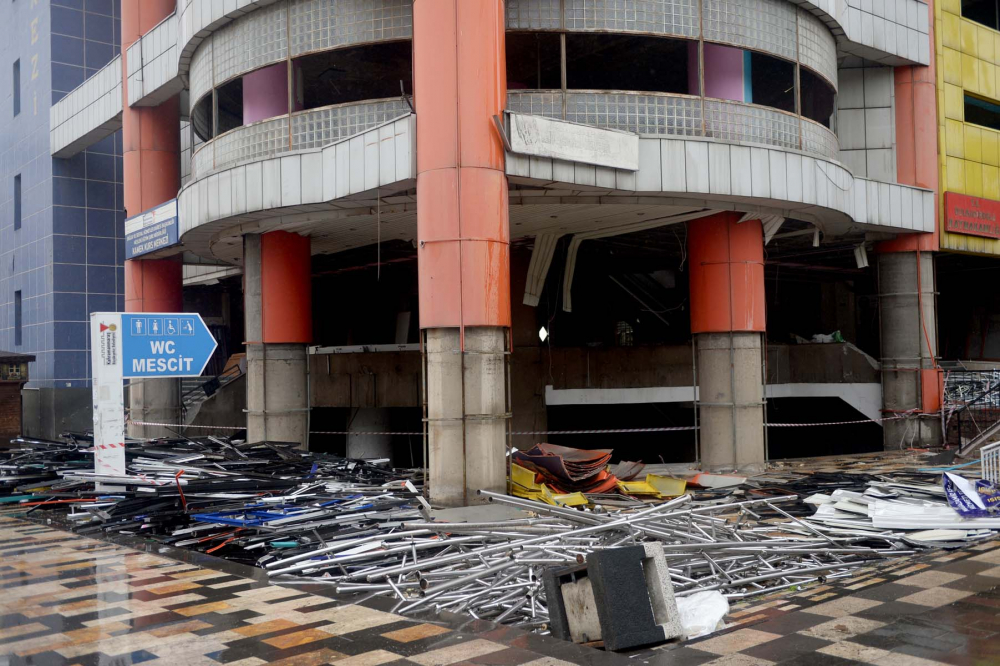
point(606, 431)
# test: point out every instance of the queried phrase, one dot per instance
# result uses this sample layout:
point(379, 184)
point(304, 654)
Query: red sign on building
point(971, 215)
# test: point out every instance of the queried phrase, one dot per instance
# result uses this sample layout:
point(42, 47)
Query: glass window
point(772, 82)
point(982, 11)
point(17, 201)
point(17, 318)
point(817, 97)
point(626, 62)
point(533, 61)
point(981, 112)
point(16, 82)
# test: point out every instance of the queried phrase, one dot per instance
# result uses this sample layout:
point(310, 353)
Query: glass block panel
point(743, 123)
point(763, 25)
point(257, 39)
point(321, 127)
point(641, 113)
point(533, 15)
point(326, 24)
point(669, 17)
point(819, 140)
point(817, 47)
point(200, 74)
point(535, 103)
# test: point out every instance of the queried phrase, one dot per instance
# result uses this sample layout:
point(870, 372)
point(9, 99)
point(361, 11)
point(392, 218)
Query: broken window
point(626, 62)
point(982, 11)
point(981, 112)
point(533, 61)
point(817, 97)
point(229, 103)
point(373, 71)
point(201, 118)
point(772, 82)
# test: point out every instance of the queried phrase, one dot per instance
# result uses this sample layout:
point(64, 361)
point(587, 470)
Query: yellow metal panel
point(970, 73)
point(951, 33)
point(973, 178)
point(956, 175)
point(984, 42)
point(955, 138)
point(991, 182)
point(969, 38)
point(989, 149)
point(953, 6)
point(954, 103)
point(987, 79)
point(952, 67)
point(973, 143)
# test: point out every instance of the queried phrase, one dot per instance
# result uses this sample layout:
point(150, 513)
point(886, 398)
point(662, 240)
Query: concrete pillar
point(278, 308)
point(154, 285)
point(370, 419)
point(466, 424)
point(908, 319)
point(463, 251)
point(727, 321)
point(151, 176)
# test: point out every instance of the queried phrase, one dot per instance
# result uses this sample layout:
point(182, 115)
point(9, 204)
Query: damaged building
point(433, 230)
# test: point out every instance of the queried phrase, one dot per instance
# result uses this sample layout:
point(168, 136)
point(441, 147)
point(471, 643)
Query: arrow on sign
point(181, 350)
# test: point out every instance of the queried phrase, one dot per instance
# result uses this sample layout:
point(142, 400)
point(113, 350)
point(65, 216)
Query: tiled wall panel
point(317, 25)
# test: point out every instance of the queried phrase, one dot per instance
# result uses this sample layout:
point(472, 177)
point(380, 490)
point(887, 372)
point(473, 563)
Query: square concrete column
point(278, 310)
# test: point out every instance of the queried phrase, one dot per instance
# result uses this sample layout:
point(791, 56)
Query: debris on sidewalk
point(366, 529)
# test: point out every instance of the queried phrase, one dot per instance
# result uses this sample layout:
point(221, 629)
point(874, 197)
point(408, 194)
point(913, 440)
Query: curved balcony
point(300, 131)
point(663, 114)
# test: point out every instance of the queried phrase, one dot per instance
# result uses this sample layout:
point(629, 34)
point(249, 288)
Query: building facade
point(477, 218)
point(61, 231)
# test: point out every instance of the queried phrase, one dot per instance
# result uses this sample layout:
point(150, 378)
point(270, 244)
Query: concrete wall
point(866, 122)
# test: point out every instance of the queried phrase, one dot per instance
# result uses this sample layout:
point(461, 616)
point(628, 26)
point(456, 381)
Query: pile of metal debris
point(365, 528)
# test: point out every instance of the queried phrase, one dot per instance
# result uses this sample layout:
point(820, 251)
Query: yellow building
point(968, 54)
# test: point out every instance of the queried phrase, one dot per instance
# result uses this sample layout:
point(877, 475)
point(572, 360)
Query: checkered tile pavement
point(66, 599)
point(941, 608)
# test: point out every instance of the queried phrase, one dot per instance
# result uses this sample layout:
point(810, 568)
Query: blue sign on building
point(151, 231)
point(165, 345)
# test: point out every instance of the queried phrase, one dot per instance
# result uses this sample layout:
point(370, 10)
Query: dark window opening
point(201, 118)
point(981, 112)
point(817, 97)
point(373, 71)
point(17, 318)
point(772, 82)
point(982, 11)
point(625, 62)
point(16, 82)
point(17, 202)
point(533, 61)
point(230, 105)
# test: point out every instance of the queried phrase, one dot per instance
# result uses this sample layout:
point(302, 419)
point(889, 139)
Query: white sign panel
point(109, 394)
point(559, 139)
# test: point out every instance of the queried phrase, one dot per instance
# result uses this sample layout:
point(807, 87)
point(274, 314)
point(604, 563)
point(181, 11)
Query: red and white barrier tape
point(610, 431)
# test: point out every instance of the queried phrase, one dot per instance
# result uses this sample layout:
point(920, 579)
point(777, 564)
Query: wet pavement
point(66, 599)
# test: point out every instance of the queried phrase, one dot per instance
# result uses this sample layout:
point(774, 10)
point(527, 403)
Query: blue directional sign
point(165, 345)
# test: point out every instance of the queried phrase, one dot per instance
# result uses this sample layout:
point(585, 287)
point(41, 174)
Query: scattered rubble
point(364, 528)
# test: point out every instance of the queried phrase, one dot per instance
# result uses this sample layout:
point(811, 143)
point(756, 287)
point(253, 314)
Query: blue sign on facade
point(153, 230)
point(165, 345)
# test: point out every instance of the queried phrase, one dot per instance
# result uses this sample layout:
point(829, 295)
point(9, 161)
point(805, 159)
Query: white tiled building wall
point(866, 127)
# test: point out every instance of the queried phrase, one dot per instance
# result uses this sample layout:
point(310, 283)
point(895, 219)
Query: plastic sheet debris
point(701, 613)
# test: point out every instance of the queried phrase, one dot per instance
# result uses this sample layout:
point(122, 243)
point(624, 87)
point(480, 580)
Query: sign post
point(142, 345)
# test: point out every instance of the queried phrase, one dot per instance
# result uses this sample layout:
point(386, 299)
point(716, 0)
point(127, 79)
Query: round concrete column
point(910, 380)
point(463, 231)
point(278, 308)
point(726, 259)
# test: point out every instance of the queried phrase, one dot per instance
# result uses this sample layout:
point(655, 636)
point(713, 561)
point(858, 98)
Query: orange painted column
point(151, 176)
point(726, 275)
point(277, 289)
point(912, 380)
point(460, 84)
